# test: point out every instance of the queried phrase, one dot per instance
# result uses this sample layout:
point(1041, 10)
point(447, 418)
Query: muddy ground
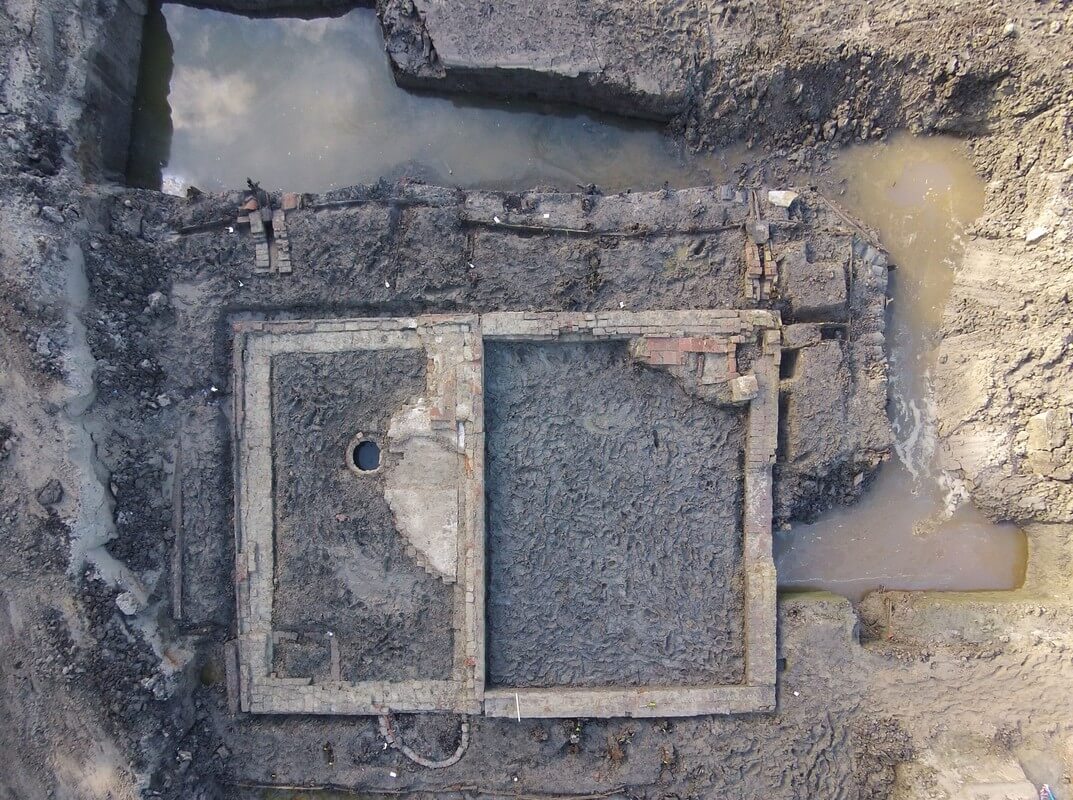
point(341, 565)
point(637, 439)
point(108, 688)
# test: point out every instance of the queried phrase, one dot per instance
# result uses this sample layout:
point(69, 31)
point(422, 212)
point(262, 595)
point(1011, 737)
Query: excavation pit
point(645, 590)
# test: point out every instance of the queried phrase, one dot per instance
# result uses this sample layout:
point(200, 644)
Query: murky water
point(310, 105)
point(914, 529)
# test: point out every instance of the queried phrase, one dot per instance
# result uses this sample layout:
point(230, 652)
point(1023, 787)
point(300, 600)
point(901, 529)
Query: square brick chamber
point(598, 484)
point(358, 523)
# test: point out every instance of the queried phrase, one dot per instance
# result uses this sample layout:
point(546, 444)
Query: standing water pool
point(914, 528)
point(310, 105)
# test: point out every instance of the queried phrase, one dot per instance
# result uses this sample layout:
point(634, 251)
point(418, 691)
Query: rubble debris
point(50, 494)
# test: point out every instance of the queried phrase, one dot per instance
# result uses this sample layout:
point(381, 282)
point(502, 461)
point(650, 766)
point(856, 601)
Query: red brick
point(696, 344)
point(664, 358)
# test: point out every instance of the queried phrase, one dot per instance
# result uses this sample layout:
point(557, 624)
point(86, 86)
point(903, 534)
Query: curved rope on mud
point(387, 730)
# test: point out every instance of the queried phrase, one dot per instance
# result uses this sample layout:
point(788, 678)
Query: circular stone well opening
point(365, 455)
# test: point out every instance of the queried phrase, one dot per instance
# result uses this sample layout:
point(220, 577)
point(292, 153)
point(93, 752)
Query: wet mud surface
point(341, 565)
point(614, 523)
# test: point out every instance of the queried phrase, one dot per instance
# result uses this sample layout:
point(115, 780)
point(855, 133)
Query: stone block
point(257, 227)
point(781, 198)
point(816, 290)
point(743, 389)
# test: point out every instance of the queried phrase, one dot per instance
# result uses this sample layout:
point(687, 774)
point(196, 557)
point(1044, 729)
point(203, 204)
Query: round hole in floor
point(366, 456)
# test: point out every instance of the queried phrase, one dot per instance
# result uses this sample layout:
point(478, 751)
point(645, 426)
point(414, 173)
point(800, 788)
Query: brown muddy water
point(915, 528)
point(312, 105)
point(309, 105)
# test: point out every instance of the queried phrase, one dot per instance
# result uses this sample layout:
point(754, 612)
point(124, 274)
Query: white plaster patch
point(422, 488)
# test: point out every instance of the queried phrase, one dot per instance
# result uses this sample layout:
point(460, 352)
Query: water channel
point(309, 105)
point(914, 529)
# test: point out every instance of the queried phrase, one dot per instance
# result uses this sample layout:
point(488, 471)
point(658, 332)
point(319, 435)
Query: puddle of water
point(920, 193)
point(913, 529)
point(896, 537)
point(309, 105)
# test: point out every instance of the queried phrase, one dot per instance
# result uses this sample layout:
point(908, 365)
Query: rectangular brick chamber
point(570, 514)
point(628, 513)
point(354, 577)
point(614, 507)
point(342, 570)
